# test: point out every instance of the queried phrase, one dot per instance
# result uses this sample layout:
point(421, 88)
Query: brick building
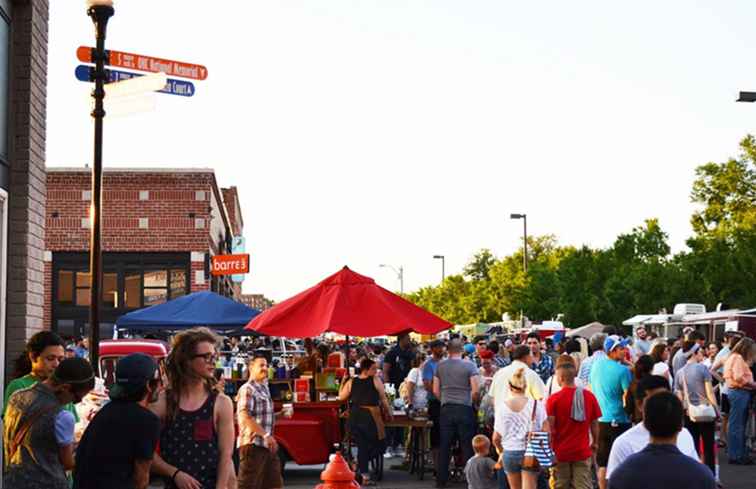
point(23, 95)
point(160, 227)
point(256, 301)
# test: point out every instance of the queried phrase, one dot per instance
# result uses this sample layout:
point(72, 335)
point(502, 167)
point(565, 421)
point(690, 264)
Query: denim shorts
point(512, 461)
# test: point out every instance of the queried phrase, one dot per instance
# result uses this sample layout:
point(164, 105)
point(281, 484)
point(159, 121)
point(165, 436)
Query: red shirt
point(571, 440)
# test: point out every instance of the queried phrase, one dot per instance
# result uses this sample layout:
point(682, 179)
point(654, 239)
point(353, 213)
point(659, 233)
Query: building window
point(133, 290)
point(155, 287)
point(178, 283)
point(83, 280)
point(65, 287)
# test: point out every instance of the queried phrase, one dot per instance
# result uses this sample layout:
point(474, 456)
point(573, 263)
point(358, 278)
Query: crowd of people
point(623, 412)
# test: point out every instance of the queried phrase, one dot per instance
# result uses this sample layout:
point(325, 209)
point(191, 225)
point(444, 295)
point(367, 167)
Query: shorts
point(607, 435)
point(259, 468)
point(725, 404)
point(512, 462)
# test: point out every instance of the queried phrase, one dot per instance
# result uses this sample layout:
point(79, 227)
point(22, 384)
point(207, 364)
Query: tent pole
point(346, 360)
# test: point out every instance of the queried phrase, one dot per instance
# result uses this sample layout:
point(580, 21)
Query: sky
point(376, 132)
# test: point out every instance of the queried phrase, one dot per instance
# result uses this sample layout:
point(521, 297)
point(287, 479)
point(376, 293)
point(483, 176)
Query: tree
point(479, 266)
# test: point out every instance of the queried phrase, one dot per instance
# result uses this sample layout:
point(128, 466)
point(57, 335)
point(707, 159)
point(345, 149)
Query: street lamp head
point(99, 3)
point(438, 257)
point(516, 216)
point(747, 97)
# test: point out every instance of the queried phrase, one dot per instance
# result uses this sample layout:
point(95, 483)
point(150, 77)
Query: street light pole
point(100, 12)
point(443, 266)
point(399, 273)
point(524, 218)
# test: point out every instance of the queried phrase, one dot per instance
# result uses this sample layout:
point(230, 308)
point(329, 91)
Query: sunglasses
point(209, 357)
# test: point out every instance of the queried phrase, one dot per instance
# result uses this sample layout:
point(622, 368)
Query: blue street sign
point(173, 87)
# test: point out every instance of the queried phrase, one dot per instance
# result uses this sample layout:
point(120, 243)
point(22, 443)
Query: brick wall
point(143, 211)
point(27, 95)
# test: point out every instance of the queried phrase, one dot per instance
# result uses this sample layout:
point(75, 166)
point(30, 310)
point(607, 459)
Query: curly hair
point(34, 348)
point(177, 366)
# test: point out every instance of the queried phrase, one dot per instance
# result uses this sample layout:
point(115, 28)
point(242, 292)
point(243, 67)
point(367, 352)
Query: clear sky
point(386, 131)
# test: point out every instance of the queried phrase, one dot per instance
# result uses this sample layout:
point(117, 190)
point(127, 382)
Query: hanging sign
point(229, 264)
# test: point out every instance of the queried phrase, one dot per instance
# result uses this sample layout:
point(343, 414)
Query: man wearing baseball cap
point(610, 379)
point(117, 447)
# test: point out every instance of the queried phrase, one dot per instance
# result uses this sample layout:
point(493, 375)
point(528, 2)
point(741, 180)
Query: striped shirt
point(254, 399)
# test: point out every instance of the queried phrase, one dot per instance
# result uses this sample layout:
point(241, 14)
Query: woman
point(660, 355)
point(515, 417)
point(710, 355)
point(366, 396)
point(693, 386)
point(417, 396)
point(740, 385)
point(643, 368)
point(44, 352)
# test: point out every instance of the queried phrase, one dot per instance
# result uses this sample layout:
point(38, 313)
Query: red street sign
point(229, 264)
point(141, 62)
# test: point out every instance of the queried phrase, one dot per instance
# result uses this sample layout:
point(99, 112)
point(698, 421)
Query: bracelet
point(173, 477)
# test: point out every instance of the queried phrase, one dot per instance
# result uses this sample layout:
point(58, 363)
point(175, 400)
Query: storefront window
point(155, 296)
point(110, 290)
point(133, 290)
point(156, 279)
point(65, 287)
point(178, 283)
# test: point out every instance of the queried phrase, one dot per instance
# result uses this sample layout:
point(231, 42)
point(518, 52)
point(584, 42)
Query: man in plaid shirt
point(259, 465)
point(542, 363)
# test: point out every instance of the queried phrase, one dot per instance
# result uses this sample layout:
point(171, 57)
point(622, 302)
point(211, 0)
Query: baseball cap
point(132, 373)
point(437, 343)
point(614, 341)
point(508, 343)
point(470, 348)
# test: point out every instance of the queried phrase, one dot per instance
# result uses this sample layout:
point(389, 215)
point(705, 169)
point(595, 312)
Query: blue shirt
point(661, 467)
point(585, 367)
point(429, 370)
point(609, 381)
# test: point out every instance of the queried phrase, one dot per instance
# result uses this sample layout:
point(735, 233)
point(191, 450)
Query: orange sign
point(229, 264)
point(141, 62)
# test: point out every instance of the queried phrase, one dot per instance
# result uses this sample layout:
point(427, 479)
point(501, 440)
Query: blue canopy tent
point(197, 309)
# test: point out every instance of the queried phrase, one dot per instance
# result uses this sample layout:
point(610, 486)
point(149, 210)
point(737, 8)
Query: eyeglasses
point(209, 357)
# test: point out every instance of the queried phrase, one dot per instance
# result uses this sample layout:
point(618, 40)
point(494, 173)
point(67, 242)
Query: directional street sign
point(140, 62)
point(172, 87)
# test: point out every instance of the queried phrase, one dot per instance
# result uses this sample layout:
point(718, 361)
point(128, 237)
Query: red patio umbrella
point(346, 303)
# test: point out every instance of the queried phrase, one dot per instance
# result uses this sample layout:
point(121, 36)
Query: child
point(479, 470)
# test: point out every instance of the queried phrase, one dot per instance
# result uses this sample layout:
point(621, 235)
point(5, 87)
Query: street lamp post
point(443, 266)
point(399, 274)
point(524, 218)
point(100, 12)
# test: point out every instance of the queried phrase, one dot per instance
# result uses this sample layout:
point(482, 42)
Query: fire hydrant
point(337, 475)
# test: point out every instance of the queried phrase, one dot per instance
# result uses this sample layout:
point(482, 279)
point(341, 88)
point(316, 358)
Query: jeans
point(736, 425)
point(705, 432)
point(457, 423)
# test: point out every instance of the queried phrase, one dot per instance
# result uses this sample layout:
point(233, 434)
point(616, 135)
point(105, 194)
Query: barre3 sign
point(229, 264)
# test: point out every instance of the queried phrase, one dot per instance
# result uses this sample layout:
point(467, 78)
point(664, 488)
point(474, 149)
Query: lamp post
point(100, 12)
point(443, 266)
point(399, 274)
point(746, 97)
point(524, 218)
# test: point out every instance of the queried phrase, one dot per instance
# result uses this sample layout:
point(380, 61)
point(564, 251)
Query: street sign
point(140, 62)
point(229, 264)
point(173, 87)
point(237, 247)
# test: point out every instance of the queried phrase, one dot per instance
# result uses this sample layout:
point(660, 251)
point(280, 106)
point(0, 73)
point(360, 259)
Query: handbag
point(538, 453)
point(701, 413)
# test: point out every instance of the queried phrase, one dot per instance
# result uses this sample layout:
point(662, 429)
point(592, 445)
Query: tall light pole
point(399, 274)
point(443, 266)
point(100, 11)
point(524, 218)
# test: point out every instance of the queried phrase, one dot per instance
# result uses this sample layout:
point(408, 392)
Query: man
point(540, 361)
point(38, 439)
point(661, 465)
point(500, 358)
point(573, 416)
point(637, 438)
point(597, 347)
point(197, 438)
point(521, 359)
point(396, 365)
point(642, 345)
point(434, 404)
point(683, 354)
point(82, 348)
point(610, 379)
point(480, 346)
point(259, 465)
point(118, 445)
point(456, 385)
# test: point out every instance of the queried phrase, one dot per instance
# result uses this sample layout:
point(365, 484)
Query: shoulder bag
point(538, 453)
point(703, 412)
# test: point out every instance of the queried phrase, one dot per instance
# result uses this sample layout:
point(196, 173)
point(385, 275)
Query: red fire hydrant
point(337, 475)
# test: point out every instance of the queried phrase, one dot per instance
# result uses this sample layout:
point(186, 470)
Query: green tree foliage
point(637, 274)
